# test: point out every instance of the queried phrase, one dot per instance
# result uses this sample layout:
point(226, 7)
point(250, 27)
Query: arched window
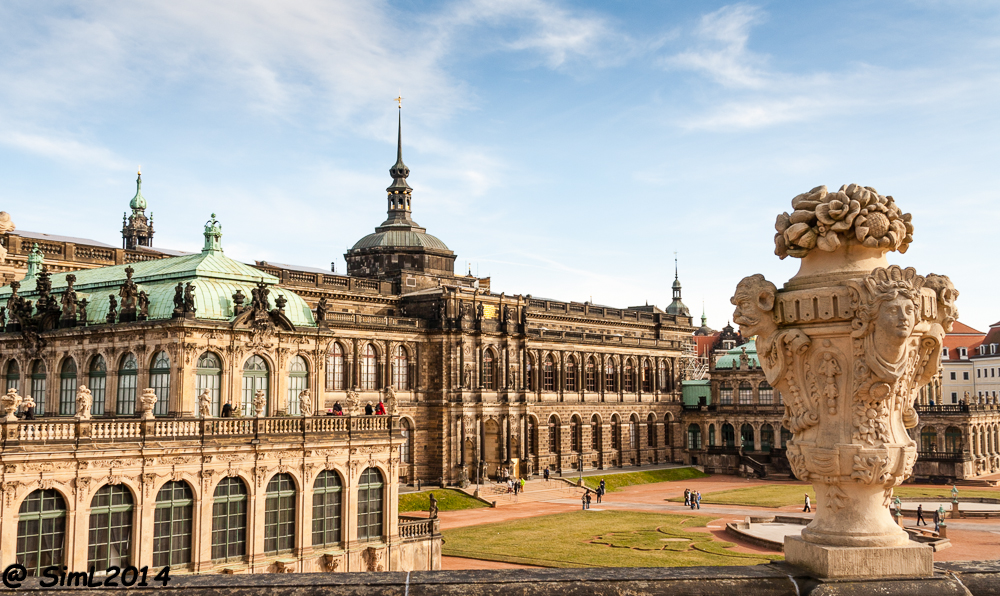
point(616, 432)
point(13, 376)
point(208, 377)
point(370, 498)
point(326, 508)
point(663, 375)
point(928, 439)
point(489, 370)
point(172, 524)
point(651, 431)
point(694, 436)
point(159, 381)
point(728, 435)
point(298, 381)
point(595, 433)
point(591, 375)
point(369, 368)
point(629, 377)
point(576, 430)
point(711, 435)
point(765, 393)
point(571, 374)
point(766, 438)
point(400, 370)
point(229, 520)
point(406, 447)
point(746, 437)
point(279, 515)
point(110, 527)
point(610, 377)
point(256, 377)
point(127, 381)
point(67, 388)
point(97, 382)
point(549, 374)
point(554, 442)
point(647, 377)
point(633, 432)
point(953, 439)
point(41, 531)
point(39, 386)
point(529, 373)
point(746, 393)
point(786, 436)
point(335, 368)
point(725, 393)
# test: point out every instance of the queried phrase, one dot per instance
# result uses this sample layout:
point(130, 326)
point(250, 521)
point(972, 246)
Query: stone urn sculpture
point(148, 400)
point(848, 342)
point(11, 402)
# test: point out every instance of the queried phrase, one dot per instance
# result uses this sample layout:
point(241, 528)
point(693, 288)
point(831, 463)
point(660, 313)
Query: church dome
point(406, 238)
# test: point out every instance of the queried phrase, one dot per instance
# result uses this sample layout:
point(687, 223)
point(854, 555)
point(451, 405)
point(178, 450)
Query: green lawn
point(781, 495)
point(613, 482)
point(597, 539)
point(448, 500)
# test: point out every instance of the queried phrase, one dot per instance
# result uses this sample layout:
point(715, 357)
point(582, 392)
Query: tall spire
point(138, 202)
point(399, 191)
point(677, 307)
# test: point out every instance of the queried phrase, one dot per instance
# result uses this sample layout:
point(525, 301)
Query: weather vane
point(399, 100)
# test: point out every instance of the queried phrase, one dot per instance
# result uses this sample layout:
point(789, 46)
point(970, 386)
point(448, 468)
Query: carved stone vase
point(848, 342)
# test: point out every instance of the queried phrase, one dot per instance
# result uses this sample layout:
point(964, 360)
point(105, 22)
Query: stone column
point(849, 341)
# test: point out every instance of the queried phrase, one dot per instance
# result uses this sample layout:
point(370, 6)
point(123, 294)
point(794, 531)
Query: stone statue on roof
point(189, 298)
point(143, 301)
point(112, 308)
point(6, 224)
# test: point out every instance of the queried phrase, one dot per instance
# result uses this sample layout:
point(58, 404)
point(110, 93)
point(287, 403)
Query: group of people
point(692, 498)
point(586, 499)
point(515, 485)
point(378, 410)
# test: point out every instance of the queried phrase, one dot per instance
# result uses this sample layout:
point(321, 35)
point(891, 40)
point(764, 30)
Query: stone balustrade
point(418, 528)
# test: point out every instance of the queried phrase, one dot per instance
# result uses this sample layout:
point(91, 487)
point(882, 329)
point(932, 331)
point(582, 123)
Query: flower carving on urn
point(849, 341)
point(11, 402)
point(148, 400)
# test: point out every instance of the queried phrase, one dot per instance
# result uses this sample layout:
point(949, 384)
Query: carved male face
point(754, 301)
point(893, 325)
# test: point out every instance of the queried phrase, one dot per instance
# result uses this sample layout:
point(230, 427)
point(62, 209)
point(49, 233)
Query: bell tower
point(137, 229)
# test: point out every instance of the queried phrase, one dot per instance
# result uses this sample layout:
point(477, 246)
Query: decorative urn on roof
point(849, 341)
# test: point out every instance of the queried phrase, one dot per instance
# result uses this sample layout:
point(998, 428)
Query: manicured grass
point(613, 482)
point(448, 500)
point(597, 539)
point(781, 495)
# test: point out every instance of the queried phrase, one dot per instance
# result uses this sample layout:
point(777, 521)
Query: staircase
point(534, 491)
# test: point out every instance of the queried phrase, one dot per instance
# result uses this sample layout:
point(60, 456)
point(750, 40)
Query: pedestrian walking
point(920, 514)
point(545, 474)
point(522, 485)
point(600, 493)
point(698, 499)
point(808, 507)
point(588, 499)
point(603, 490)
point(687, 497)
point(937, 520)
point(583, 501)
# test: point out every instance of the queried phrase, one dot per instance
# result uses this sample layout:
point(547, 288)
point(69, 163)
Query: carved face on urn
point(893, 325)
point(754, 301)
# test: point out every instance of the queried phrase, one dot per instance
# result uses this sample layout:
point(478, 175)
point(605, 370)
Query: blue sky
point(565, 149)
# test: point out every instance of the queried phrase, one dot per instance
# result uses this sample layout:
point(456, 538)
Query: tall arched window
point(39, 386)
point(554, 442)
point(326, 509)
point(110, 527)
point(298, 381)
point(529, 373)
point(369, 368)
point(629, 377)
point(406, 447)
point(694, 436)
point(229, 520)
point(766, 438)
point(591, 374)
point(571, 374)
point(610, 377)
point(549, 374)
point(279, 515)
point(400, 370)
point(13, 376)
point(746, 393)
point(953, 439)
point(633, 432)
point(576, 430)
point(370, 499)
point(41, 531)
point(97, 382)
point(746, 437)
point(256, 377)
point(159, 381)
point(208, 377)
point(725, 393)
point(335, 371)
point(488, 370)
point(616, 432)
point(647, 377)
point(67, 388)
point(595, 433)
point(728, 435)
point(127, 380)
point(711, 435)
point(173, 524)
point(651, 431)
point(765, 393)
point(662, 369)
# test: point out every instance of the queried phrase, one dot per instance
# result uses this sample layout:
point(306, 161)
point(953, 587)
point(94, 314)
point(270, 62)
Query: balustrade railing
point(416, 527)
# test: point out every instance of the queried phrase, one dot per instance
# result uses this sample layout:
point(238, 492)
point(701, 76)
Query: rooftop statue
point(849, 341)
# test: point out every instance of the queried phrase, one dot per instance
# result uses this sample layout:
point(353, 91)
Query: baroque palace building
point(473, 380)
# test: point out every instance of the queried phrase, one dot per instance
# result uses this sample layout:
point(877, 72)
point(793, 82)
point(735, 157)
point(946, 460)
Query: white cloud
point(721, 48)
point(65, 150)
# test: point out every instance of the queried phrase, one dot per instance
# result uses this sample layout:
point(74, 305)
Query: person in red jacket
point(380, 409)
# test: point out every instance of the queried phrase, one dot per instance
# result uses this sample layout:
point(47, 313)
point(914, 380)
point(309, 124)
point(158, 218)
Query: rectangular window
point(160, 383)
point(98, 385)
point(953, 377)
point(965, 376)
point(954, 397)
point(67, 396)
point(38, 394)
point(126, 394)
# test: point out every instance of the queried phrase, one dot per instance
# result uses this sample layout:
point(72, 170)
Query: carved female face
point(893, 325)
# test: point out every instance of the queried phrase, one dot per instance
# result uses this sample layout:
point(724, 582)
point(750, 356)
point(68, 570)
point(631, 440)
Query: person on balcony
point(369, 410)
point(338, 410)
point(227, 409)
point(380, 409)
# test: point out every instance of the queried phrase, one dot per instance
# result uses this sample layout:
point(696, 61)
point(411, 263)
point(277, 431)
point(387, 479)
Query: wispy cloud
point(721, 51)
point(65, 150)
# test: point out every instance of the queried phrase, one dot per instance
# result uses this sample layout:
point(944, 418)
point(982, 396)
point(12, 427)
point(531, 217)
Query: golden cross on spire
point(140, 170)
point(399, 100)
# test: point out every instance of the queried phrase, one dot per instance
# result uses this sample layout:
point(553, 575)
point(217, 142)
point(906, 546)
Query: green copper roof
point(692, 392)
point(732, 358)
point(138, 201)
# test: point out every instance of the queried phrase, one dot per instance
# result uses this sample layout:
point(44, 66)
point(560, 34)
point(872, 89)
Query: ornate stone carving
point(11, 401)
point(82, 486)
point(373, 559)
point(305, 403)
point(84, 401)
point(848, 341)
point(148, 400)
point(391, 402)
point(205, 404)
point(259, 401)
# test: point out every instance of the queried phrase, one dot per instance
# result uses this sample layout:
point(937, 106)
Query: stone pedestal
point(907, 560)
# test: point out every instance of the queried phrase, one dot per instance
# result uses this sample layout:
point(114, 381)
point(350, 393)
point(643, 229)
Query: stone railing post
point(849, 341)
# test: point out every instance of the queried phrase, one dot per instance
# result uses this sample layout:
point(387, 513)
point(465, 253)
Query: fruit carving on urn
point(849, 341)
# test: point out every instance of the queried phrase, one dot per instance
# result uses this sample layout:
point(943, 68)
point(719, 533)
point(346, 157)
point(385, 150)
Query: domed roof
point(406, 238)
point(138, 201)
